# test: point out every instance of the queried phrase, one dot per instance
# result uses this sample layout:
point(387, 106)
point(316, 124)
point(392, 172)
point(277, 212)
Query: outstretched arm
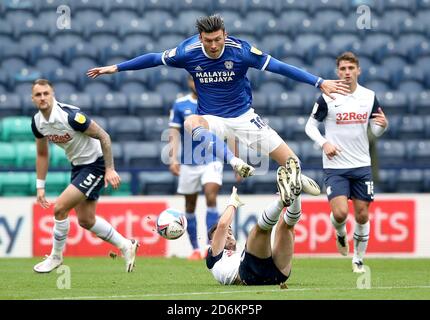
point(144, 61)
point(326, 86)
point(220, 234)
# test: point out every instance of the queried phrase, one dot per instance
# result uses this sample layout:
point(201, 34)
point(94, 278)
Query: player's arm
point(97, 132)
point(144, 61)
point(319, 113)
point(378, 120)
point(175, 140)
point(42, 163)
point(224, 223)
point(326, 86)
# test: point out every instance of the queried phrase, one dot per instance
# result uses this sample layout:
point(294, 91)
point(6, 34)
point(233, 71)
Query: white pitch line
point(226, 292)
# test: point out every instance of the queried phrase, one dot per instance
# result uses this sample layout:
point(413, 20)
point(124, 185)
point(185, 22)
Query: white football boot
point(243, 169)
point(310, 186)
point(129, 254)
point(358, 267)
point(342, 245)
point(294, 174)
point(50, 263)
point(283, 184)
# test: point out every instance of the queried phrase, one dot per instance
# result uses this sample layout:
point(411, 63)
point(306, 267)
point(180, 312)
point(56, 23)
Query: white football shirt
point(225, 266)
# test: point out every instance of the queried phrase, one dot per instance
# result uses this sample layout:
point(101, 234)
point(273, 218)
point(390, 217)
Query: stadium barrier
point(399, 226)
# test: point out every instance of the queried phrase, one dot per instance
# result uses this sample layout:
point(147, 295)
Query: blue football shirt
point(222, 86)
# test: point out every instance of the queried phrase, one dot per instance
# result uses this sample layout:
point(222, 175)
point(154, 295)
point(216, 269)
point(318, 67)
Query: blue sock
point(210, 142)
point(211, 217)
point(192, 229)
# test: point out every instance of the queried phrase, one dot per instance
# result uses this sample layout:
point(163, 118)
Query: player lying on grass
point(88, 148)
point(259, 263)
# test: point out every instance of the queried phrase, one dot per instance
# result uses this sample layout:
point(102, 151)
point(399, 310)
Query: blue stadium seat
point(93, 87)
point(413, 26)
point(322, 6)
point(146, 104)
point(81, 50)
point(66, 75)
point(411, 127)
point(311, 153)
point(186, 20)
point(80, 100)
point(13, 65)
point(325, 20)
point(10, 105)
point(261, 184)
point(93, 6)
point(325, 67)
point(379, 73)
point(286, 103)
point(374, 46)
point(407, 47)
point(277, 124)
point(169, 92)
point(135, 27)
point(419, 102)
point(150, 6)
point(377, 86)
point(154, 17)
point(125, 128)
point(391, 152)
point(261, 102)
point(347, 25)
point(413, 73)
point(129, 6)
point(339, 43)
point(410, 180)
point(48, 65)
point(255, 7)
point(65, 88)
point(387, 180)
point(156, 128)
point(259, 19)
point(295, 127)
point(142, 154)
point(157, 183)
point(419, 151)
point(308, 45)
point(274, 88)
point(393, 102)
point(118, 154)
point(112, 104)
point(291, 5)
point(233, 6)
point(242, 29)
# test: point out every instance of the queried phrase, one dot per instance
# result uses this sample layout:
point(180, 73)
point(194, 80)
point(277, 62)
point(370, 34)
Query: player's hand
point(329, 87)
point(95, 72)
point(175, 168)
point(41, 200)
point(380, 119)
point(112, 178)
point(234, 199)
point(331, 150)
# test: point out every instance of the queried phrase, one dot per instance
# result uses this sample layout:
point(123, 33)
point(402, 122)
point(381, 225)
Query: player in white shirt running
point(88, 148)
point(346, 158)
point(258, 263)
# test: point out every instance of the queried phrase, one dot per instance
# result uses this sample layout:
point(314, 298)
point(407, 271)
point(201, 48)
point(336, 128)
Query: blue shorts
point(355, 183)
point(256, 271)
point(89, 178)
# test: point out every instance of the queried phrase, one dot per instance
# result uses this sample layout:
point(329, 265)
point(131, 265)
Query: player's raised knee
point(193, 121)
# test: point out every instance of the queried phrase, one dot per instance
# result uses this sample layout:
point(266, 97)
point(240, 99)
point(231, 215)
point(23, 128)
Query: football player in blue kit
point(88, 148)
point(218, 64)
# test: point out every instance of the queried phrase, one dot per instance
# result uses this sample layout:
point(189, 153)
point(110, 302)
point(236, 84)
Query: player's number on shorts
point(369, 185)
point(258, 122)
point(88, 181)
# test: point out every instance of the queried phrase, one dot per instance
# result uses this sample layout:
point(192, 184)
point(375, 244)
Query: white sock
point(61, 229)
point(270, 215)
point(339, 226)
point(106, 232)
point(361, 237)
point(294, 211)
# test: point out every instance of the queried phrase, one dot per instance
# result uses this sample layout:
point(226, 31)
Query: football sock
point(211, 217)
point(361, 237)
point(270, 215)
point(192, 229)
point(106, 232)
point(339, 226)
point(61, 229)
point(209, 141)
point(294, 211)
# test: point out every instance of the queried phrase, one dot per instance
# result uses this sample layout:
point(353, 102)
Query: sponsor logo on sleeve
point(80, 118)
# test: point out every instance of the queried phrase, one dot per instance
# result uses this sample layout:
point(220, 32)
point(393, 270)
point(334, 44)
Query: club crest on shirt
point(228, 65)
point(80, 118)
point(254, 50)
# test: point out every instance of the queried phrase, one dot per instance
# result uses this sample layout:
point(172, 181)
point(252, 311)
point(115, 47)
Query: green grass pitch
point(179, 279)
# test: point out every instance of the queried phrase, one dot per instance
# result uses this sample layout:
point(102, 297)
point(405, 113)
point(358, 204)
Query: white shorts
point(192, 178)
point(248, 128)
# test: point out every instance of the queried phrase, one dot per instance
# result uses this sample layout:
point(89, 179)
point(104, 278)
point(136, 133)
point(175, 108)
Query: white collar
point(357, 91)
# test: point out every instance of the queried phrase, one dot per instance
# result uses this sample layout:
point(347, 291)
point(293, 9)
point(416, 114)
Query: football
point(171, 224)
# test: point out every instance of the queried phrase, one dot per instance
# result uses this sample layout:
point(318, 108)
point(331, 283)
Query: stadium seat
point(277, 124)
point(96, 86)
point(387, 180)
point(10, 105)
point(132, 7)
point(90, 7)
point(411, 127)
point(242, 29)
point(154, 17)
point(377, 86)
point(156, 183)
point(373, 46)
point(307, 45)
point(427, 180)
point(7, 155)
point(410, 181)
point(347, 25)
point(324, 19)
point(229, 180)
point(146, 104)
point(135, 28)
point(261, 102)
point(262, 183)
point(16, 129)
point(112, 104)
point(338, 43)
point(118, 154)
point(25, 154)
point(184, 25)
point(379, 73)
point(232, 6)
point(271, 87)
point(169, 75)
point(56, 182)
point(102, 122)
point(142, 154)
point(393, 102)
point(170, 92)
point(311, 153)
point(125, 128)
point(391, 152)
point(81, 50)
point(58, 158)
point(287, 103)
point(15, 184)
point(419, 151)
point(155, 128)
point(81, 100)
point(295, 127)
